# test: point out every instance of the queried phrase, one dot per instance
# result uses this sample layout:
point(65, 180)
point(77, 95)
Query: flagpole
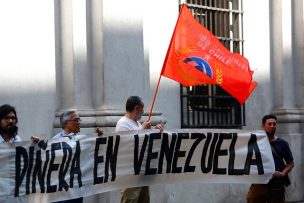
point(154, 97)
point(156, 89)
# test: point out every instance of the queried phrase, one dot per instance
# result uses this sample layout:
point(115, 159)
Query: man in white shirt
point(129, 122)
point(8, 124)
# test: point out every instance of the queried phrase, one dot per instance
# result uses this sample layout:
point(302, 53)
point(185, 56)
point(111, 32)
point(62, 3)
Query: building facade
point(90, 55)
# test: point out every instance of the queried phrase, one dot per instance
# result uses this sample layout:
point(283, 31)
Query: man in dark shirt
point(274, 191)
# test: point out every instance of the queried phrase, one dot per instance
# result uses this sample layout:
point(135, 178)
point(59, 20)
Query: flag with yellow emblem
point(195, 56)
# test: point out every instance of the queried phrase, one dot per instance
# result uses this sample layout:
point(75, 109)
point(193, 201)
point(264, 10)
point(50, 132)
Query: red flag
point(195, 56)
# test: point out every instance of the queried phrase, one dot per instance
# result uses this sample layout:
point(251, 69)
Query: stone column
point(64, 54)
point(298, 50)
point(276, 49)
point(73, 72)
point(287, 85)
point(282, 67)
point(125, 68)
point(100, 60)
point(297, 7)
point(95, 51)
point(282, 74)
point(80, 64)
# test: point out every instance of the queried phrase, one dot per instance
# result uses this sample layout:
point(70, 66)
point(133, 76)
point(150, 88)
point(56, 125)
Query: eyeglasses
point(10, 117)
point(75, 120)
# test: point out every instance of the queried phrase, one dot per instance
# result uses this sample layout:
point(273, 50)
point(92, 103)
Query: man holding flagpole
point(129, 122)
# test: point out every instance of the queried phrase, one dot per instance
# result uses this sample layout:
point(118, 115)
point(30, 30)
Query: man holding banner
point(274, 191)
point(129, 122)
point(70, 123)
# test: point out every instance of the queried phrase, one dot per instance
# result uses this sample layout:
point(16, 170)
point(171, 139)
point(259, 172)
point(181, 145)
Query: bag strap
point(277, 155)
point(286, 178)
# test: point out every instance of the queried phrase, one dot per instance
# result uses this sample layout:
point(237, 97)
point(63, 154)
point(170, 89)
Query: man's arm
point(35, 138)
point(99, 131)
point(160, 127)
point(285, 172)
point(147, 125)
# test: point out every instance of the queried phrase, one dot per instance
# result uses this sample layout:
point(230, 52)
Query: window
point(209, 106)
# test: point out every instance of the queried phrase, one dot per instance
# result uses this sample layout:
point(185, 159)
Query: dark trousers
point(259, 193)
point(136, 195)
point(78, 200)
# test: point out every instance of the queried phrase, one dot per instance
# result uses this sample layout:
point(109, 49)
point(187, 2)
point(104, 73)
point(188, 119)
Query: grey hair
point(65, 117)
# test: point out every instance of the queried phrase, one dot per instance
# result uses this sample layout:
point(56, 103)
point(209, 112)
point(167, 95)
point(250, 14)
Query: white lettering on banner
point(68, 169)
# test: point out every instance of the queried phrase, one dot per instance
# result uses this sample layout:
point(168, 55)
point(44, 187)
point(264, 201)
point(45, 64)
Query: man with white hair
point(70, 123)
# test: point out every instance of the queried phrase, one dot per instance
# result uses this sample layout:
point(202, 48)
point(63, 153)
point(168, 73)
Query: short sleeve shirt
point(282, 149)
point(63, 134)
point(17, 138)
point(127, 124)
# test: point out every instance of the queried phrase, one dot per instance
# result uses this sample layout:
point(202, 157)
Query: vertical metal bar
point(217, 22)
point(214, 21)
point(207, 112)
point(238, 115)
point(227, 113)
point(230, 113)
point(241, 27)
point(194, 106)
point(231, 26)
point(240, 8)
point(188, 110)
point(200, 104)
point(244, 116)
point(211, 116)
point(227, 22)
point(211, 21)
point(206, 17)
point(182, 105)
